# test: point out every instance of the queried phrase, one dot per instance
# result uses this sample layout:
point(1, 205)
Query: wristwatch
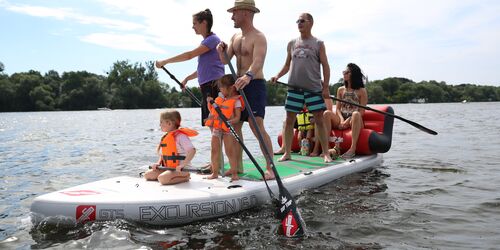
point(249, 74)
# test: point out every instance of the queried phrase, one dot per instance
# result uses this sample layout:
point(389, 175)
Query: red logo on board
point(80, 192)
point(85, 213)
point(289, 225)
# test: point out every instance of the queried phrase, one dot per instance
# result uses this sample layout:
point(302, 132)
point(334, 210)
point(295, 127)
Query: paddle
point(414, 124)
point(292, 223)
point(190, 93)
point(238, 139)
point(184, 169)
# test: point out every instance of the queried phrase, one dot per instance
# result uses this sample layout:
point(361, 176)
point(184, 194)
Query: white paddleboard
point(135, 199)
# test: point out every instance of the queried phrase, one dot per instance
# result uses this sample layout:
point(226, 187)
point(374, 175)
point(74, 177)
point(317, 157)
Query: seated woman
point(348, 116)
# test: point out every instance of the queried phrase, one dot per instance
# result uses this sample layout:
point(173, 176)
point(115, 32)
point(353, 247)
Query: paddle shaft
point(172, 169)
point(190, 93)
point(238, 139)
point(267, 155)
point(291, 220)
point(414, 124)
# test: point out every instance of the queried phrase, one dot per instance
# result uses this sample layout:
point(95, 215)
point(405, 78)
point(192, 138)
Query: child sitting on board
point(305, 125)
point(231, 105)
point(175, 149)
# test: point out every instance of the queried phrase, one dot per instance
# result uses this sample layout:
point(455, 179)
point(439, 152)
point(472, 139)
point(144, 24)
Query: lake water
point(430, 192)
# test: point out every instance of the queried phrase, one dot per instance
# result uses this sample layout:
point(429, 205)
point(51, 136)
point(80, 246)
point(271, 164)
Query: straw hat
point(244, 5)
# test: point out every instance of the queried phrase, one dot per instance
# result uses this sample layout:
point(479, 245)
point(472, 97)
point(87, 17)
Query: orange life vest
point(227, 108)
point(169, 156)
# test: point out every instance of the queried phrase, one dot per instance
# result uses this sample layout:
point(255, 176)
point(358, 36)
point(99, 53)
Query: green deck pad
point(297, 165)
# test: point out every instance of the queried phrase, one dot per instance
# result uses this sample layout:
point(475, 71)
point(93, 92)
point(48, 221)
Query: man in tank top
point(305, 57)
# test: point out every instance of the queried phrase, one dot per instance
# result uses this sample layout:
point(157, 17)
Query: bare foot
point(228, 173)
point(269, 175)
point(314, 154)
point(348, 155)
point(279, 152)
point(285, 157)
point(211, 177)
point(327, 158)
point(235, 177)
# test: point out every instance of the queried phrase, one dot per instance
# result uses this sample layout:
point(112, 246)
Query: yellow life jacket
point(304, 121)
point(169, 156)
point(227, 107)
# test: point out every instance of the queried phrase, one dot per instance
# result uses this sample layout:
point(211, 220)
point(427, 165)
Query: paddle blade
point(292, 224)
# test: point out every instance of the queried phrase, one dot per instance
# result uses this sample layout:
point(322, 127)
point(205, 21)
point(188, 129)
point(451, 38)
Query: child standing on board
point(231, 104)
point(175, 149)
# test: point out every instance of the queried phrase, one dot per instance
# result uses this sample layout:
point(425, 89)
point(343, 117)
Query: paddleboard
point(138, 200)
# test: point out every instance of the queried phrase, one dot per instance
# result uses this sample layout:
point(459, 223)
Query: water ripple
point(431, 191)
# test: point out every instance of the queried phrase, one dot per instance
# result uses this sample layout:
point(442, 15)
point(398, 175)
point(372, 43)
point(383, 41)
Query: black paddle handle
point(190, 93)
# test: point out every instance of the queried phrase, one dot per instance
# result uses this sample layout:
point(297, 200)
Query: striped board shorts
point(296, 99)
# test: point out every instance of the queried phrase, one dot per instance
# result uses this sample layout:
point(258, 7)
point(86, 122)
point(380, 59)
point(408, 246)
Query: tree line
point(136, 85)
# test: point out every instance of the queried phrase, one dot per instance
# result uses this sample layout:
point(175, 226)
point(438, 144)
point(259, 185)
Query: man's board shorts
point(256, 95)
point(296, 99)
point(207, 89)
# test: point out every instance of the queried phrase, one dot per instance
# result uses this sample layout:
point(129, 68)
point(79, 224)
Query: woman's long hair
point(357, 77)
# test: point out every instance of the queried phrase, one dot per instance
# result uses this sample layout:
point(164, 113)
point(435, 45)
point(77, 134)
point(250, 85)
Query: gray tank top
point(305, 65)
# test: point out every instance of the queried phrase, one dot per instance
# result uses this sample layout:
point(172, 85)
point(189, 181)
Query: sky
point(455, 41)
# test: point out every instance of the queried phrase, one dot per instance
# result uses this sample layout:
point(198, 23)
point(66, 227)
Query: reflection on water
point(430, 192)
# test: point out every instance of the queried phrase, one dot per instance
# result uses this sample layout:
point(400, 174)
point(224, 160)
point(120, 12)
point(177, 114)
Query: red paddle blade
point(292, 224)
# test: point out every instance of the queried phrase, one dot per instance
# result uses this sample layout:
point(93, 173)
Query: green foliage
point(7, 95)
point(402, 90)
point(276, 94)
point(24, 84)
point(131, 86)
point(82, 91)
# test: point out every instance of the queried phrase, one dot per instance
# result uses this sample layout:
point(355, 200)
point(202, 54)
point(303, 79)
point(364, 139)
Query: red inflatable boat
point(375, 137)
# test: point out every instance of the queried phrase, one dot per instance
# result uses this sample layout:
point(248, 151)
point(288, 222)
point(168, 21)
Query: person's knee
point(289, 121)
point(150, 175)
point(356, 115)
point(319, 120)
point(260, 123)
point(173, 177)
point(237, 127)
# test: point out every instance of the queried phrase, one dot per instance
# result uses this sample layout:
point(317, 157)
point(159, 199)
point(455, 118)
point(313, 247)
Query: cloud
point(410, 38)
point(130, 42)
point(420, 39)
point(71, 15)
point(38, 11)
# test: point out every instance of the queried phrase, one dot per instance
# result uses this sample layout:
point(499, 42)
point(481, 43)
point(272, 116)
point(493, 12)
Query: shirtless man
point(249, 46)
